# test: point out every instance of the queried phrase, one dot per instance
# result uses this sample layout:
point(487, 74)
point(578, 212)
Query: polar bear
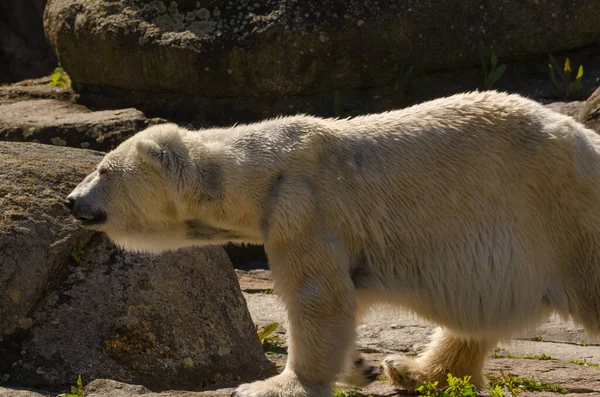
point(479, 212)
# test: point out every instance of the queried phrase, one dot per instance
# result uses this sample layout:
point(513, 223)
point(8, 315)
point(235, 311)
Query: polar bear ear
point(153, 152)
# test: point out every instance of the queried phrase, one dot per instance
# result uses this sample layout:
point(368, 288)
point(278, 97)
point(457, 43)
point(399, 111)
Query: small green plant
point(565, 88)
point(78, 252)
point(76, 391)
point(457, 387)
point(584, 363)
point(502, 353)
point(540, 357)
point(60, 78)
point(496, 392)
point(269, 342)
point(537, 338)
point(428, 389)
point(266, 331)
point(516, 385)
point(403, 76)
point(266, 291)
point(510, 382)
point(489, 65)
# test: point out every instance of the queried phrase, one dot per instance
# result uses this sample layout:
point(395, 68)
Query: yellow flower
point(567, 66)
point(580, 72)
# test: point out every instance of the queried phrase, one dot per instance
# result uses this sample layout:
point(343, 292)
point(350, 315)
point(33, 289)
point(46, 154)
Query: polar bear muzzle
point(87, 215)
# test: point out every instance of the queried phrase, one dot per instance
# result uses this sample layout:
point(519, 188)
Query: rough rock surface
point(24, 52)
point(590, 114)
point(586, 112)
point(36, 232)
point(572, 109)
point(195, 56)
point(45, 114)
point(72, 303)
point(34, 89)
point(176, 320)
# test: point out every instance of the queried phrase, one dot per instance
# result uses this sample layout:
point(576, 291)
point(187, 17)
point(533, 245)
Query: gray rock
point(37, 234)
point(73, 303)
point(34, 89)
point(110, 388)
point(590, 114)
point(107, 387)
point(62, 123)
point(176, 320)
point(205, 62)
point(572, 109)
point(586, 112)
point(5, 392)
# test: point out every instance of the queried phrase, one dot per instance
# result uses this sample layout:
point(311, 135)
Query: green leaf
point(557, 89)
point(576, 87)
point(494, 60)
point(79, 386)
point(267, 330)
point(495, 75)
point(558, 69)
point(337, 104)
point(408, 73)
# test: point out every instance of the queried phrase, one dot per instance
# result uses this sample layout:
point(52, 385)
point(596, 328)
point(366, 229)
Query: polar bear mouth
point(94, 219)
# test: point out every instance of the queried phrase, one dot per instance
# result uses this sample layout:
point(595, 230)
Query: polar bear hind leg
point(447, 353)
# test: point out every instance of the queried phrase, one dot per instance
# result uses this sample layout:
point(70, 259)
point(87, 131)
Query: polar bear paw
point(361, 374)
point(283, 385)
point(403, 371)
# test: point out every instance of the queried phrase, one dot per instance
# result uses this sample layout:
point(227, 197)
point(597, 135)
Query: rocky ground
point(544, 354)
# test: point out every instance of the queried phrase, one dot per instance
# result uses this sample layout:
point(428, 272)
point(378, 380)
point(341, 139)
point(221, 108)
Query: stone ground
point(386, 330)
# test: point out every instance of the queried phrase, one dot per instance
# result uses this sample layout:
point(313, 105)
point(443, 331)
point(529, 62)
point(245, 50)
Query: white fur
point(479, 212)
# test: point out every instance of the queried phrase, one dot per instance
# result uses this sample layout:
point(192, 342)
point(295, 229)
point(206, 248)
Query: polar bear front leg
point(319, 298)
point(359, 373)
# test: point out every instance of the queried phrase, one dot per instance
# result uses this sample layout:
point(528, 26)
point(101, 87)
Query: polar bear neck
point(240, 169)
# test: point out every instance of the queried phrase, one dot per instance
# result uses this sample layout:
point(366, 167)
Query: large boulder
point(207, 58)
point(24, 52)
point(37, 234)
point(73, 303)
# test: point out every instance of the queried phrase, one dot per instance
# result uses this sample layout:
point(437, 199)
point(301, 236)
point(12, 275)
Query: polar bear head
point(141, 193)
